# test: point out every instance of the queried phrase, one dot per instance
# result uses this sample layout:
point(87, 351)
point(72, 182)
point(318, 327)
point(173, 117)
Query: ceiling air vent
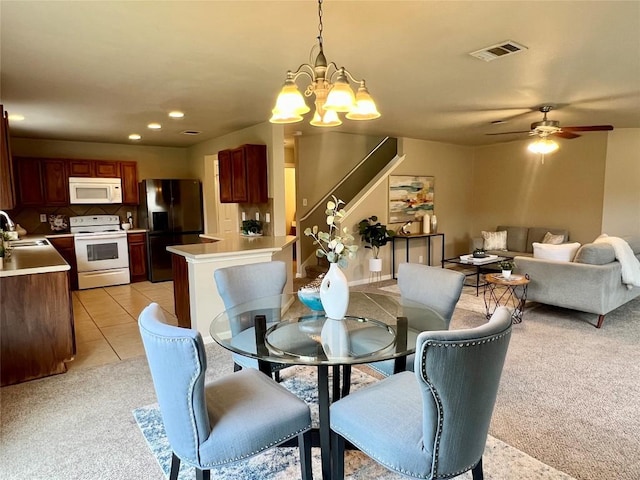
point(191, 132)
point(498, 50)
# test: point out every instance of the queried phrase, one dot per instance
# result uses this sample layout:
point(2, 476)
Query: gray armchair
point(243, 283)
point(432, 423)
point(226, 421)
point(435, 287)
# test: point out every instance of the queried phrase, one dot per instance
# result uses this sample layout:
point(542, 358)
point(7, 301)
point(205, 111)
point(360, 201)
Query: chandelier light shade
point(333, 93)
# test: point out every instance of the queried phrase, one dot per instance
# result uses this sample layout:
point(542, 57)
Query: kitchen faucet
point(10, 225)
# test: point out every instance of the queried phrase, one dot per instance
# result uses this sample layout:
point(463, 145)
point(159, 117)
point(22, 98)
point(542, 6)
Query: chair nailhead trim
point(266, 447)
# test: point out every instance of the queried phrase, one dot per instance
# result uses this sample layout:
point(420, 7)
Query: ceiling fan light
point(365, 108)
point(543, 146)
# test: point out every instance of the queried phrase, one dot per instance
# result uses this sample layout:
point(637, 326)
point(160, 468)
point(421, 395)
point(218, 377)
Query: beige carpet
point(570, 393)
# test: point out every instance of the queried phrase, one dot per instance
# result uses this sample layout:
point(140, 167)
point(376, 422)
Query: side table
point(499, 291)
point(428, 236)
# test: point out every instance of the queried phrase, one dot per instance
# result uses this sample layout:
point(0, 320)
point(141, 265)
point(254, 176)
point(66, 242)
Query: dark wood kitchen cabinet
point(7, 180)
point(243, 174)
point(36, 326)
point(66, 248)
point(41, 181)
point(129, 176)
point(94, 168)
point(137, 256)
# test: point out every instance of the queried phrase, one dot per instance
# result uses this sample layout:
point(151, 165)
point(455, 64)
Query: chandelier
point(333, 93)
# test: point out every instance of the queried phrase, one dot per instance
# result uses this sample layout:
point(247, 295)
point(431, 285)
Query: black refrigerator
point(171, 211)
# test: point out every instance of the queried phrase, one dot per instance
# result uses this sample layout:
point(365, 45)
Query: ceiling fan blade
point(567, 135)
point(589, 128)
point(508, 133)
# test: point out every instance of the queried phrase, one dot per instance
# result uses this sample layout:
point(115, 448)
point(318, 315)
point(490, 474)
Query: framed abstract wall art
point(410, 196)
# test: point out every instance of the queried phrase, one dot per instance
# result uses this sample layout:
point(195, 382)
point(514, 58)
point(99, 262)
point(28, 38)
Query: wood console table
point(406, 238)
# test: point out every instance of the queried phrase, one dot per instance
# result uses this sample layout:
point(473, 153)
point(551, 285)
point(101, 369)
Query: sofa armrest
point(579, 286)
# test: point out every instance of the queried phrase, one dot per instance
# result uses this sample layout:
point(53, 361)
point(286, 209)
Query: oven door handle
point(101, 236)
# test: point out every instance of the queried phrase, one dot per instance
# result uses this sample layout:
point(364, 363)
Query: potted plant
point(252, 227)
point(507, 267)
point(375, 235)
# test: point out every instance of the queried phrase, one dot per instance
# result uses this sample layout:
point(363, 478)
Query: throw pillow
point(561, 253)
point(553, 239)
point(495, 240)
point(595, 254)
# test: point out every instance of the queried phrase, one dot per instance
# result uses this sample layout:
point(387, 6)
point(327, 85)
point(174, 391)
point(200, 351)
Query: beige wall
point(323, 160)
point(153, 162)
point(621, 208)
point(513, 187)
point(451, 165)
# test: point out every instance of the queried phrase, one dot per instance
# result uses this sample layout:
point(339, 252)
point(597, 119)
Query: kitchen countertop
point(230, 243)
point(32, 260)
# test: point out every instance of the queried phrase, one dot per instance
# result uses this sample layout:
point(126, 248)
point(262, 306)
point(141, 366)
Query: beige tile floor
point(106, 321)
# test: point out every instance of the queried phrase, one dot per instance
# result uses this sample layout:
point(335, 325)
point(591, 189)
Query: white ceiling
point(99, 70)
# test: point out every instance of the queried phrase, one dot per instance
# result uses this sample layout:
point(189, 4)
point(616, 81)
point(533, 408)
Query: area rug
point(501, 461)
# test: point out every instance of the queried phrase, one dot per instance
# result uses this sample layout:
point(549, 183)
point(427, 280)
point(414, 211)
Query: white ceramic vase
point(506, 274)
point(375, 264)
point(334, 293)
point(335, 339)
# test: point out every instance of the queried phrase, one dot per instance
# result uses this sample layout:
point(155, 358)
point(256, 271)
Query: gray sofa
point(592, 282)
point(520, 240)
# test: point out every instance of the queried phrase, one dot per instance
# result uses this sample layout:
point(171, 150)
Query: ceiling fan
point(547, 127)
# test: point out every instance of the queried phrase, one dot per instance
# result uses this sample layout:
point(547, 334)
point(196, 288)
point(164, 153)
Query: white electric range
point(102, 252)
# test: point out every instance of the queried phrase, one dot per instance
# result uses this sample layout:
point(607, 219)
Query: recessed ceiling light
point(16, 117)
point(154, 126)
point(191, 132)
point(134, 136)
point(176, 114)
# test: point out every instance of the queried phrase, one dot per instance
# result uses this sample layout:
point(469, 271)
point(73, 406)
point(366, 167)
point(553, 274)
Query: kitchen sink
point(28, 243)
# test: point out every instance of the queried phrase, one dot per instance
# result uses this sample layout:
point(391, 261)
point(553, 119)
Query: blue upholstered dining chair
point(438, 288)
point(242, 283)
point(225, 421)
point(433, 423)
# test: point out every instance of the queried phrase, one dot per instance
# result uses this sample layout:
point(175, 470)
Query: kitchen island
point(36, 319)
point(196, 296)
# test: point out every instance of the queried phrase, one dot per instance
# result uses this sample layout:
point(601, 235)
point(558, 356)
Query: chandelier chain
point(320, 25)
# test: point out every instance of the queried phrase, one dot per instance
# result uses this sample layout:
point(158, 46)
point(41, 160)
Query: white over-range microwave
point(95, 190)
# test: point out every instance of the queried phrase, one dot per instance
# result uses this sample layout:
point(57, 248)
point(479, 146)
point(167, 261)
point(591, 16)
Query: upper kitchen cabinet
point(7, 185)
point(129, 176)
point(41, 181)
point(94, 168)
point(243, 174)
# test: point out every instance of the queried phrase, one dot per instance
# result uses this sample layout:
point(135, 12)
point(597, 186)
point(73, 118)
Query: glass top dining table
point(282, 329)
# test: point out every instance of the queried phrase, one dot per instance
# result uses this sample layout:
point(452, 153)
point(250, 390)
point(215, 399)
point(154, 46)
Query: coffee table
point(474, 267)
point(500, 291)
